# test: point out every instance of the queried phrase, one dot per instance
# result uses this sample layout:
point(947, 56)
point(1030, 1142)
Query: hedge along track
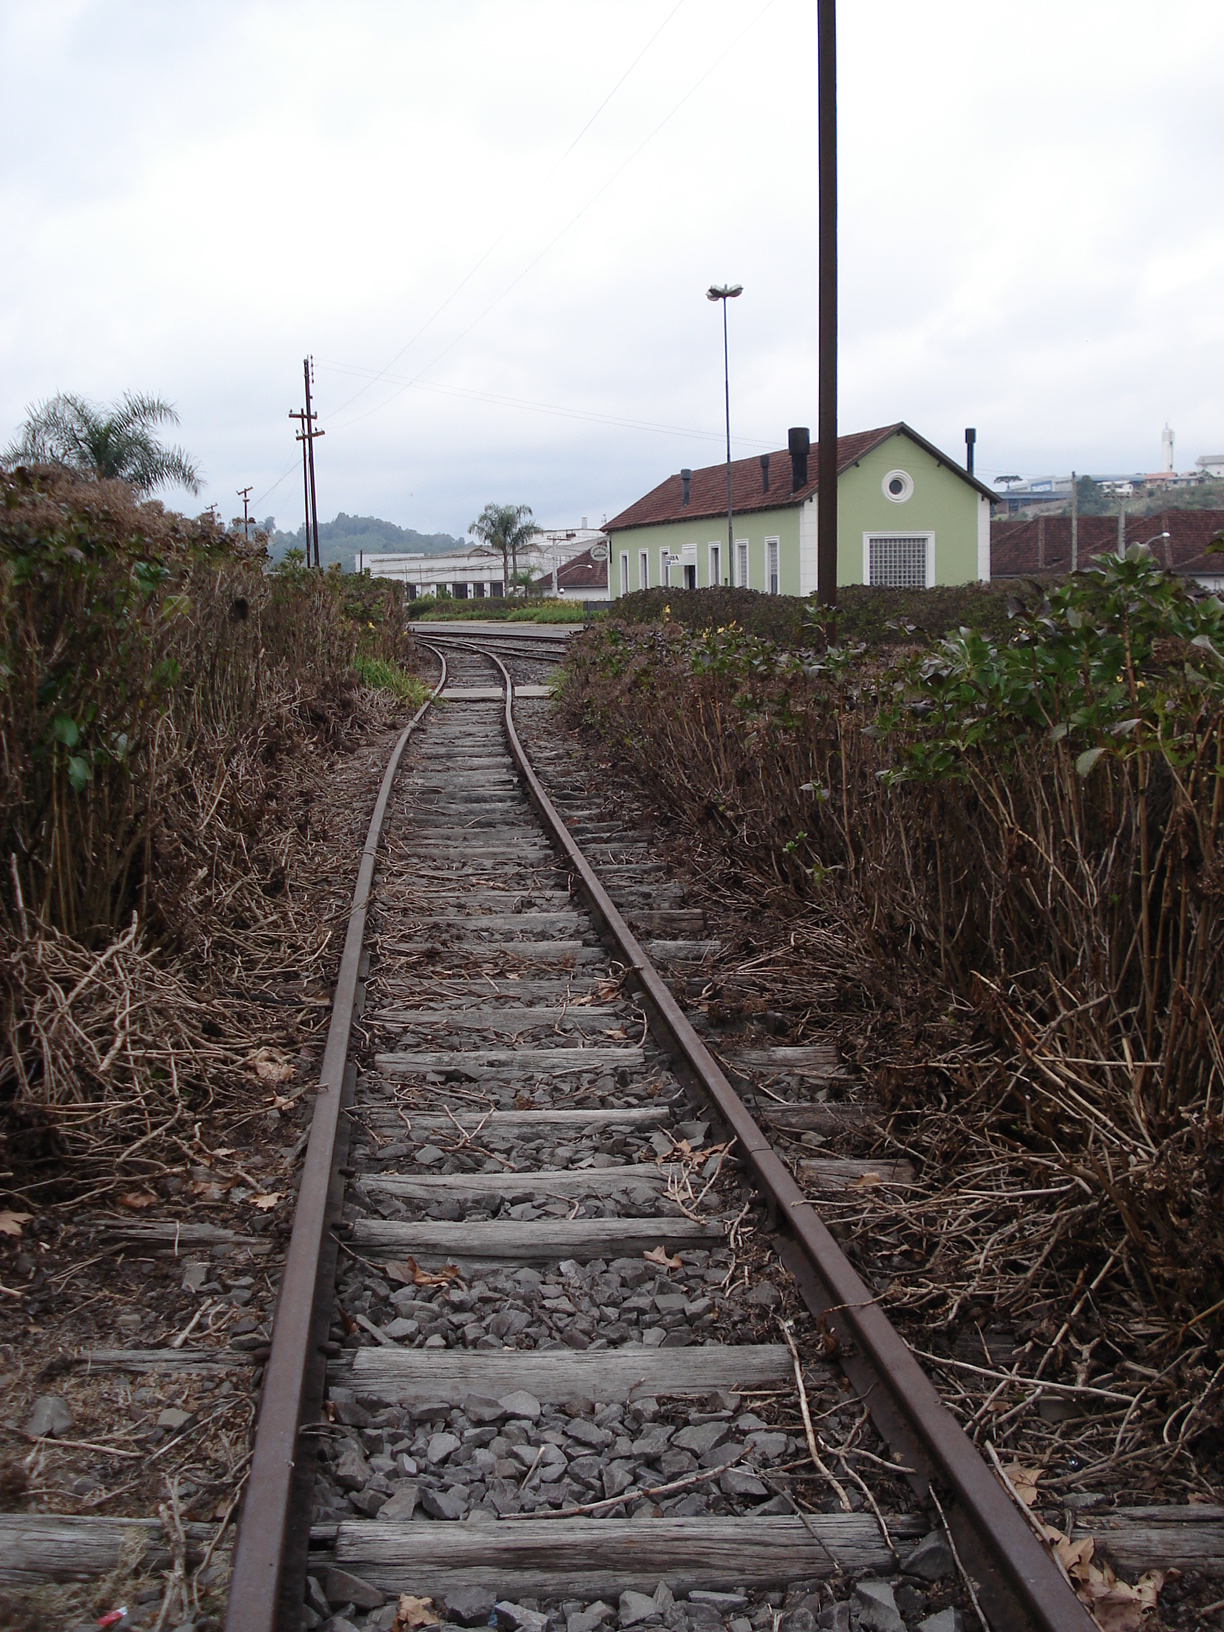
point(562, 1220)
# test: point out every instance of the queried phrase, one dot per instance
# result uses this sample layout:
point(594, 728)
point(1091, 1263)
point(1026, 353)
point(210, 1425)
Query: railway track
point(559, 1340)
point(566, 1361)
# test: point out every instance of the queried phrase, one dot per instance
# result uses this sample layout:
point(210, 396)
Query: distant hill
point(341, 539)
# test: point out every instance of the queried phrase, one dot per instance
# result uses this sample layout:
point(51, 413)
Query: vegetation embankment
point(443, 609)
point(875, 617)
point(162, 702)
point(1018, 838)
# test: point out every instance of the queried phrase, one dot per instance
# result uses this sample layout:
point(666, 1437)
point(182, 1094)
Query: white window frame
point(715, 568)
point(743, 564)
point(624, 572)
point(644, 569)
point(908, 532)
point(773, 566)
point(665, 568)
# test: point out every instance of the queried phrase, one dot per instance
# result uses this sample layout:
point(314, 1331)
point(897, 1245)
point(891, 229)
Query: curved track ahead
point(570, 1268)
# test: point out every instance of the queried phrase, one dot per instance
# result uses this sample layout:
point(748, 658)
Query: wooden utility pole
point(826, 453)
point(244, 493)
point(1074, 525)
point(306, 436)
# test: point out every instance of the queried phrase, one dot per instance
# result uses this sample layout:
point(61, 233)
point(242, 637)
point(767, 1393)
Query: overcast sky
point(493, 225)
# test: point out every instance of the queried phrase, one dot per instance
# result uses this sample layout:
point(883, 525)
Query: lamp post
point(726, 292)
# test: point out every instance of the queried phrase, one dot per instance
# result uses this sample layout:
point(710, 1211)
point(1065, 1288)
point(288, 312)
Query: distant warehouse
point(908, 516)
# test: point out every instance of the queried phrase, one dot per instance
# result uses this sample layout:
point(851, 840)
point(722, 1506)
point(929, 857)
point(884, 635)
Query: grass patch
point(379, 674)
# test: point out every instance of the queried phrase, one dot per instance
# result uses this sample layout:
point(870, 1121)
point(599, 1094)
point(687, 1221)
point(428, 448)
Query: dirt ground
point(188, 1259)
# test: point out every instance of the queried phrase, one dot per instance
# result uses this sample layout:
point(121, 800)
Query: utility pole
point(306, 436)
point(244, 493)
point(826, 468)
point(1074, 525)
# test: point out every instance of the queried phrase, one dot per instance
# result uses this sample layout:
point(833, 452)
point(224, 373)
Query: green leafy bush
point(1032, 823)
point(875, 617)
point(141, 654)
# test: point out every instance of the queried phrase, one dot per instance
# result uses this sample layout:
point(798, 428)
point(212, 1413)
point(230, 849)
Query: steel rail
point(267, 1508)
point(1042, 1593)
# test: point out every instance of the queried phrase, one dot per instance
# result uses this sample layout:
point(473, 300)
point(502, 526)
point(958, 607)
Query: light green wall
point(756, 527)
point(942, 503)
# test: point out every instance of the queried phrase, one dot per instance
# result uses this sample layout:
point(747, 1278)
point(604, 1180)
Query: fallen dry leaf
point(136, 1199)
point(409, 1273)
point(206, 1189)
point(269, 1066)
point(414, 1612)
point(1023, 1481)
point(267, 1201)
point(617, 1032)
point(10, 1223)
point(658, 1255)
point(1114, 1605)
point(865, 1181)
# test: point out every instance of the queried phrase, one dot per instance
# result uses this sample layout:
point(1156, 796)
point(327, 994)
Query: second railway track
point(559, 1341)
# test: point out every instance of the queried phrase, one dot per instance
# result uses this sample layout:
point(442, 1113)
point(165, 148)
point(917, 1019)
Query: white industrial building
point(477, 573)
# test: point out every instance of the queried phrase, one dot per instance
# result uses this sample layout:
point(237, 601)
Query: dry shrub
point(1028, 830)
point(161, 699)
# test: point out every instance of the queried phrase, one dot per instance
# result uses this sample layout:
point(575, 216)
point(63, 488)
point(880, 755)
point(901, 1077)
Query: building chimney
point(764, 473)
point(686, 477)
point(970, 439)
point(799, 441)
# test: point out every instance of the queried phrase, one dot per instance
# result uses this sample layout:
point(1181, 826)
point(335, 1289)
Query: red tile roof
point(708, 486)
point(1025, 549)
point(579, 572)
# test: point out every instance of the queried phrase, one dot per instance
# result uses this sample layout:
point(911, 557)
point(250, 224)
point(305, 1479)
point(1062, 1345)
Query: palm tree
point(505, 528)
point(115, 443)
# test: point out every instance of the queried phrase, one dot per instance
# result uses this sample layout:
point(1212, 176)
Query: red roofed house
point(907, 516)
point(1042, 547)
point(583, 577)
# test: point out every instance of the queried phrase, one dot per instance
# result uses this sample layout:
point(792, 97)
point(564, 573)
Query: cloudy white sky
point(492, 223)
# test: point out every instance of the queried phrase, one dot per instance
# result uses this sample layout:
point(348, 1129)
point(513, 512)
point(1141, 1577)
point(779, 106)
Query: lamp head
point(728, 291)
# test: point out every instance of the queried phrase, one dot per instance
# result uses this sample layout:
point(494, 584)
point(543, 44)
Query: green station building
point(908, 516)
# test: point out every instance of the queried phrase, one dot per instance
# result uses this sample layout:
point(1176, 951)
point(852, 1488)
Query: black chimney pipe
point(970, 439)
point(686, 477)
point(764, 473)
point(799, 441)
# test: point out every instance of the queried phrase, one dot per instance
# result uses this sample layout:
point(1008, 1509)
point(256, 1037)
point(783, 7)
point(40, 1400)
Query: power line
point(306, 436)
point(573, 221)
point(540, 186)
point(559, 411)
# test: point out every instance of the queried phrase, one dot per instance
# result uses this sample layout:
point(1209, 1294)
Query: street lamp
point(727, 291)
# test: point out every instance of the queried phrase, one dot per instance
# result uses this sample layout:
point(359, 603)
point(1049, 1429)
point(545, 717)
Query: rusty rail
point(267, 1509)
point(1042, 1595)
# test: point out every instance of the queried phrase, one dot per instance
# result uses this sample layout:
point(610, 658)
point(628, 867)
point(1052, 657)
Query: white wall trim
point(808, 567)
point(644, 569)
point(624, 572)
point(714, 573)
point(983, 539)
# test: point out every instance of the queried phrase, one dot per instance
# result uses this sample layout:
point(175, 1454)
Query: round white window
point(897, 486)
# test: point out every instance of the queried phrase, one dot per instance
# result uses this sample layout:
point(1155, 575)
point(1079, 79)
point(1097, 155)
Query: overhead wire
point(540, 186)
point(559, 411)
point(571, 223)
